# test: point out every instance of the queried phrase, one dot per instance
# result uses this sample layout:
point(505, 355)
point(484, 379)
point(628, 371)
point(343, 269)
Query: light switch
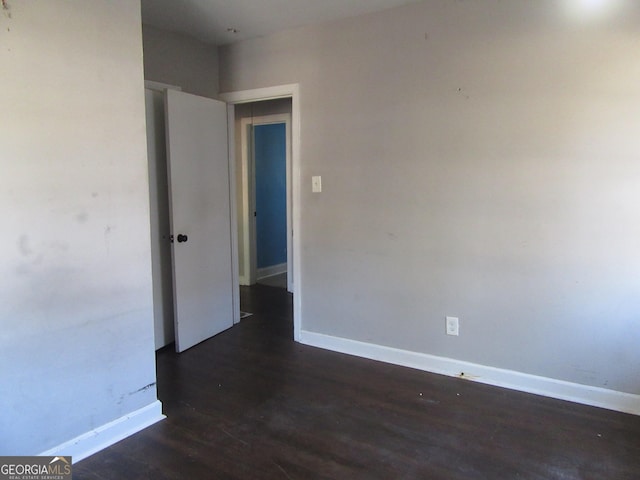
point(316, 184)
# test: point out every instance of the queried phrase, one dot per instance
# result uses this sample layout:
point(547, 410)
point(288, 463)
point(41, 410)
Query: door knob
point(182, 238)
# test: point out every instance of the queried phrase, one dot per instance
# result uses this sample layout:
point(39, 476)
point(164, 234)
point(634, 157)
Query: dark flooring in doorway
point(252, 404)
point(279, 280)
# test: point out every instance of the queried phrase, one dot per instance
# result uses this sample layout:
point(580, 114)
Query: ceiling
point(225, 21)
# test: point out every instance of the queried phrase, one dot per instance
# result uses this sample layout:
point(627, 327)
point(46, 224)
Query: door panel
point(161, 266)
point(198, 167)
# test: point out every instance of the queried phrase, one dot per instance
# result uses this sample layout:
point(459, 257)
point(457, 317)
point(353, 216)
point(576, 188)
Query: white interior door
point(198, 168)
point(161, 267)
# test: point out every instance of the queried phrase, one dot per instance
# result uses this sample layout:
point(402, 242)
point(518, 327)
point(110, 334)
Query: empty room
point(456, 288)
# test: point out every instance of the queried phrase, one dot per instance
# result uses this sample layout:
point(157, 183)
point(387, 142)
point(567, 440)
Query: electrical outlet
point(452, 326)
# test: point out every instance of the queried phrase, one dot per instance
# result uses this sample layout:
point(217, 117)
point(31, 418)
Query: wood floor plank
point(252, 404)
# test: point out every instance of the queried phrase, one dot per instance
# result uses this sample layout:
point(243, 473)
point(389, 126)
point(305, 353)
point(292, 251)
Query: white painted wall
point(180, 60)
point(479, 160)
point(76, 323)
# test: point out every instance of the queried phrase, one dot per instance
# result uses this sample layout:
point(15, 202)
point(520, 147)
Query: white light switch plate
point(452, 326)
point(316, 184)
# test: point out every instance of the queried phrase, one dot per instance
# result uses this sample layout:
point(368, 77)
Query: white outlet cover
point(316, 184)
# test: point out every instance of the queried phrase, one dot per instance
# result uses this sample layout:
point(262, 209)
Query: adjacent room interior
point(448, 285)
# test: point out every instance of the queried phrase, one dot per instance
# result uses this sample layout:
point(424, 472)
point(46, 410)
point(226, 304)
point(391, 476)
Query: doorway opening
point(264, 194)
point(252, 104)
point(164, 304)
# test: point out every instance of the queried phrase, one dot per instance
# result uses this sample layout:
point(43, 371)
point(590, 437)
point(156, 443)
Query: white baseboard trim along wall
point(549, 387)
point(271, 271)
point(102, 437)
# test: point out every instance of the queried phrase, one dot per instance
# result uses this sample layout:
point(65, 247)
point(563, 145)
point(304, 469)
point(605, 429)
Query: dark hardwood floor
point(252, 404)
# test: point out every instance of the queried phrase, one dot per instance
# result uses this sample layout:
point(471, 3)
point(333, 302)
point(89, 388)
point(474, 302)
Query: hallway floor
point(252, 404)
point(278, 281)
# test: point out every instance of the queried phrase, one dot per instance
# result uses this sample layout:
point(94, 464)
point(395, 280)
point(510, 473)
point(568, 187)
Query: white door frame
point(159, 209)
point(255, 95)
point(248, 175)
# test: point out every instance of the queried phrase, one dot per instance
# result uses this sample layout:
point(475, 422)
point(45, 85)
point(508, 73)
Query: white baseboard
point(271, 271)
point(102, 437)
point(524, 382)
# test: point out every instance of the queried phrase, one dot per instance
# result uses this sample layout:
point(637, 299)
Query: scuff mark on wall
point(122, 398)
point(462, 93)
point(6, 9)
point(23, 246)
point(107, 232)
point(143, 389)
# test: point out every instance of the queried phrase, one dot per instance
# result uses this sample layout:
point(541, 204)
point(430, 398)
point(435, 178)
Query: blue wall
point(271, 194)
